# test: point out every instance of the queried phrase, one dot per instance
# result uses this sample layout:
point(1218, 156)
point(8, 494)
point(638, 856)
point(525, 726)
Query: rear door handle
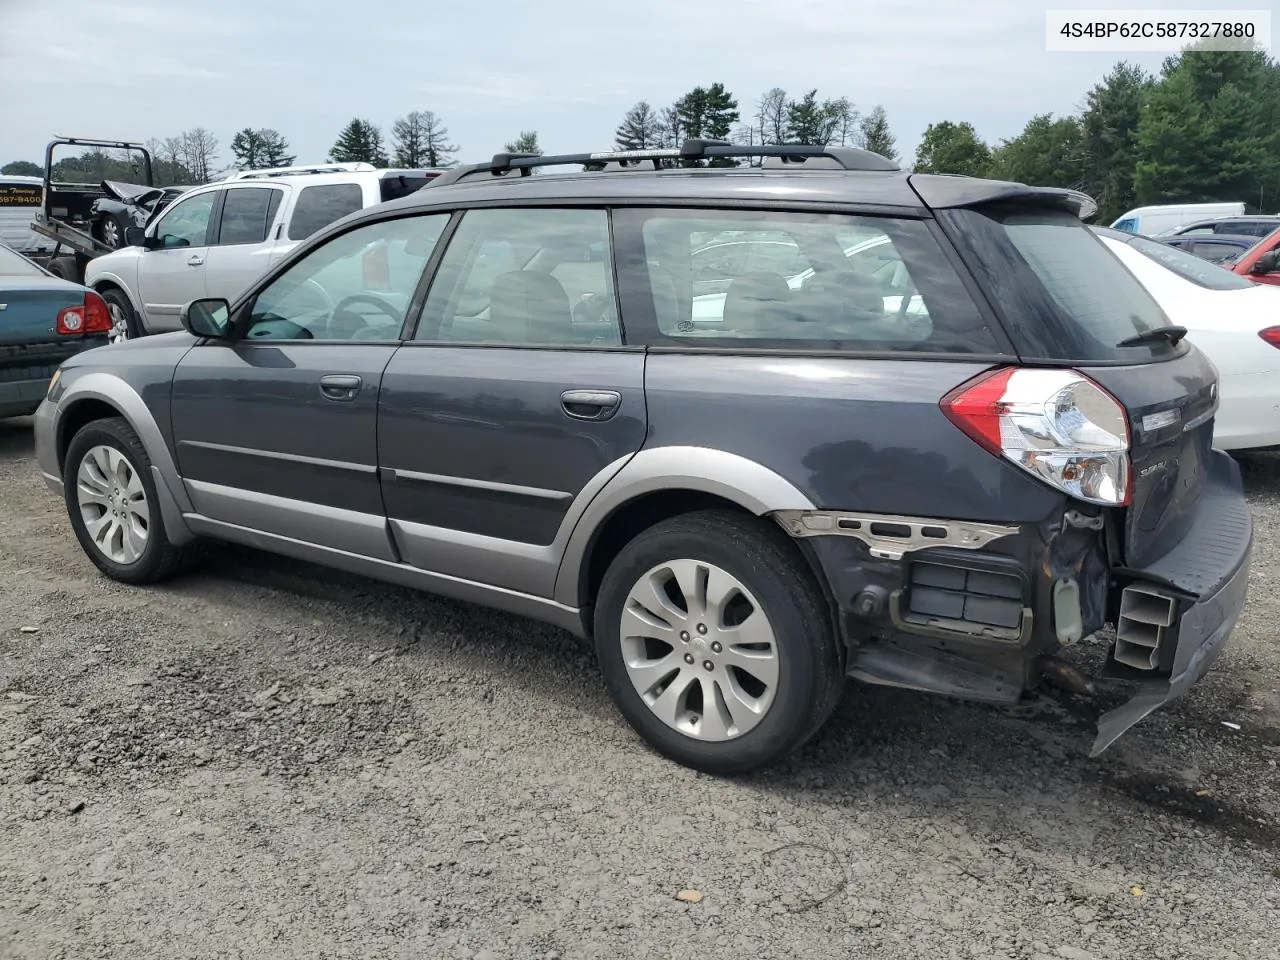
point(340, 386)
point(590, 404)
point(195, 260)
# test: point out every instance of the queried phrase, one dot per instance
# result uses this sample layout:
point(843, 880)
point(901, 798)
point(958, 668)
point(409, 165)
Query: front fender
point(105, 388)
point(750, 485)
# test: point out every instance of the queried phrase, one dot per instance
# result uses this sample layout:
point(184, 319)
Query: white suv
point(218, 238)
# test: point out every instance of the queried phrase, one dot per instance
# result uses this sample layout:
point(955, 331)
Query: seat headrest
point(758, 303)
point(530, 307)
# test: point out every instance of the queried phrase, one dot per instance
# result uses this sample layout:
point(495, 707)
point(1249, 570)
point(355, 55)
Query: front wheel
point(716, 643)
point(124, 321)
point(111, 500)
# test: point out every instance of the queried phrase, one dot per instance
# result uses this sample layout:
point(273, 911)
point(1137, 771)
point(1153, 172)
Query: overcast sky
point(136, 69)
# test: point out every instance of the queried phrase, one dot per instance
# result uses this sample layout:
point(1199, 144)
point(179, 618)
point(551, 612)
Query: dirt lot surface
point(265, 759)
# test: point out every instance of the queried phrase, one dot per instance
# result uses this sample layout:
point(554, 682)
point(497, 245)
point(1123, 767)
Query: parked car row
point(932, 434)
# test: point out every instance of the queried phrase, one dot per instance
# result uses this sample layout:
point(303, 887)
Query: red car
point(1261, 262)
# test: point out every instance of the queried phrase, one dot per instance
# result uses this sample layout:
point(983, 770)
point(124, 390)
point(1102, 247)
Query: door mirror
point(208, 318)
point(1267, 263)
point(135, 236)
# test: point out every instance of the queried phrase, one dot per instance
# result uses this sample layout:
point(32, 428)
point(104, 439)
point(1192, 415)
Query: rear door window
point(1064, 296)
point(321, 204)
point(247, 213)
point(802, 281)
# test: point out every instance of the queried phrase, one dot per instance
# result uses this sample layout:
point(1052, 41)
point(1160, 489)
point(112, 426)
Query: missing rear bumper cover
point(889, 537)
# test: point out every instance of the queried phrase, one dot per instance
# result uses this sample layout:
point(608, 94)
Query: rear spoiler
point(943, 192)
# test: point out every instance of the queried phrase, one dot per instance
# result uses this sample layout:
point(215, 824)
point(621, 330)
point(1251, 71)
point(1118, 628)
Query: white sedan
point(1234, 321)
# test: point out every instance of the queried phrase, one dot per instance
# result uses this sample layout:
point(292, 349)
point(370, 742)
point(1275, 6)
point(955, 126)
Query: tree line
point(1205, 128)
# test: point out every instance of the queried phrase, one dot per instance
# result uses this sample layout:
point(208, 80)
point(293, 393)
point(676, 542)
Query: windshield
point(1066, 296)
point(15, 265)
point(1190, 267)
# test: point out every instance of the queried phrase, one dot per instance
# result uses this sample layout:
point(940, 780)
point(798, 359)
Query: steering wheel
point(366, 298)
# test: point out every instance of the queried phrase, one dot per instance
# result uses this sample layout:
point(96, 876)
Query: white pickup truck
point(216, 239)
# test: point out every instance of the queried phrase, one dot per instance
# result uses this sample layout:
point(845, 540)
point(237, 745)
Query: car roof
point(1239, 239)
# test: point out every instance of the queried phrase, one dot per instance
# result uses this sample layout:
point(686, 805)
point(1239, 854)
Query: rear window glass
point(321, 205)
point(1065, 296)
point(737, 279)
point(15, 265)
point(1189, 267)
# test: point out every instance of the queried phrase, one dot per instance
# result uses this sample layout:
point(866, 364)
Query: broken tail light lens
point(1057, 425)
point(92, 316)
point(1271, 335)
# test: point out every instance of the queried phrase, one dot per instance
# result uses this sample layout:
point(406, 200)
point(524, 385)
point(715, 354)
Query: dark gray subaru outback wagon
point(752, 429)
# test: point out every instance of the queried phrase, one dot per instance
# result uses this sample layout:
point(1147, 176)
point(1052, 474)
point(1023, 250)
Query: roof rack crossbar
point(302, 169)
point(843, 158)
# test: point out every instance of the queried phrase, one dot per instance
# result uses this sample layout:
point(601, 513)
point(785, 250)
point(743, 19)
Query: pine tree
point(421, 140)
point(876, 136)
point(526, 143)
point(641, 129)
point(359, 142)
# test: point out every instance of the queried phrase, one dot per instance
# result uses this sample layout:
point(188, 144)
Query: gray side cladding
point(852, 434)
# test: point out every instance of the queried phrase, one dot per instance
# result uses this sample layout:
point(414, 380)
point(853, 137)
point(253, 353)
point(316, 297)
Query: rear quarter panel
point(851, 434)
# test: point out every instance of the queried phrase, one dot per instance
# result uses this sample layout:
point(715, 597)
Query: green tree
point(526, 143)
point(813, 122)
point(705, 113)
point(1109, 138)
point(641, 129)
point(260, 149)
point(1047, 153)
point(22, 168)
point(875, 134)
point(421, 140)
point(1211, 130)
point(359, 142)
point(952, 148)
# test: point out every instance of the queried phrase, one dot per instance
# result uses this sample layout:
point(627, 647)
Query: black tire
point(117, 300)
point(159, 559)
point(110, 223)
point(810, 674)
point(66, 268)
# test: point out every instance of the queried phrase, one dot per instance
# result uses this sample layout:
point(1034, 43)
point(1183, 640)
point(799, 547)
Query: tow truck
point(66, 212)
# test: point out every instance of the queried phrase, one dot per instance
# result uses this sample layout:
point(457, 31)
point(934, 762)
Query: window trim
point(273, 211)
point(242, 309)
point(640, 296)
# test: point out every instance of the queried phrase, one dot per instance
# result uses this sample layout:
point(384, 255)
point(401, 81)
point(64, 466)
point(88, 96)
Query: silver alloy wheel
point(111, 233)
point(699, 650)
point(113, 504)
point(119, 331)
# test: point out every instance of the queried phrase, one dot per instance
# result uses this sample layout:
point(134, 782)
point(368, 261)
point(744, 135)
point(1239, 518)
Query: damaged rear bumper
point(1206, 580)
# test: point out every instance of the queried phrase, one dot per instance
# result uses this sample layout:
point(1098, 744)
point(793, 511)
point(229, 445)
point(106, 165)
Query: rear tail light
point(1271, 335)
point(1057, 425)
point(92, 316)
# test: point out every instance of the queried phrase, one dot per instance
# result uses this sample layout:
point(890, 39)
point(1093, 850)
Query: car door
point(515, 401)
point(275, 430)
point(171, 267)
point(241, 243)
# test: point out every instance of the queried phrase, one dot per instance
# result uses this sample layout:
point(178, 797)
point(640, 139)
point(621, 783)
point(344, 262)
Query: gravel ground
point(267, 759)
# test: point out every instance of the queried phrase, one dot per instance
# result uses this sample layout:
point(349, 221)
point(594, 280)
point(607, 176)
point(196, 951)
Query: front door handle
point(340, 386)
point(590, 404)
point(195, 260)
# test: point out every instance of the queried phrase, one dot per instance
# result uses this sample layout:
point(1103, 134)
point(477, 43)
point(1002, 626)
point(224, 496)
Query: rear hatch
point(1066, 300)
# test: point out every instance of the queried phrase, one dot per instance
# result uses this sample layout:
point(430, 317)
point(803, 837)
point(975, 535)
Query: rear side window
point(803, 281)
point(247, 213)
point(322, 204)
point(1065, 297)
point(1216, 251)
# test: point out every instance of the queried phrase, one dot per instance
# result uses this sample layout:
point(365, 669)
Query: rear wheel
point(66, 268)
point(112, 504)
point(111, 231)
point(716, 643)
point(124, 321)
